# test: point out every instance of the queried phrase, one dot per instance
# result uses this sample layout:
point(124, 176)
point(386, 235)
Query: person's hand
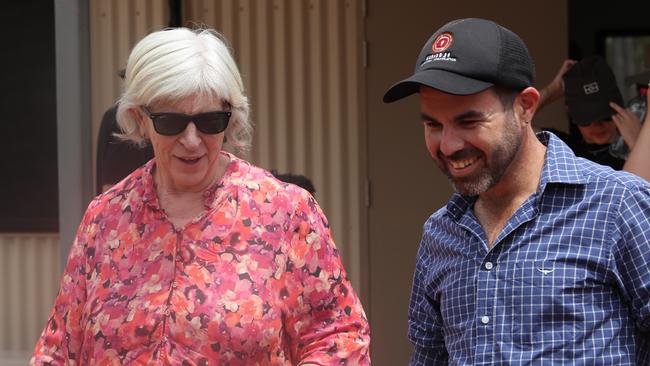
point(555, 89)
point(628, 124)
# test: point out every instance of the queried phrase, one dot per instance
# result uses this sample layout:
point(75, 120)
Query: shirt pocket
point(547, 299)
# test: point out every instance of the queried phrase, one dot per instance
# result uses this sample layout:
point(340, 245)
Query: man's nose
point(450, 142)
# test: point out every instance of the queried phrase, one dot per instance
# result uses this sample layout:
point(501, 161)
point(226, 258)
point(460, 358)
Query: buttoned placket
point(173, 285)
point(486, 302)
point(485, 285)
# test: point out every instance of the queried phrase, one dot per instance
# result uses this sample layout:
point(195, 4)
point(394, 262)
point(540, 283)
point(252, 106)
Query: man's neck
point(495, 207)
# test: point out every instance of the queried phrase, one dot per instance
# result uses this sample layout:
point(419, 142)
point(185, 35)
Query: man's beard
point(495, 167)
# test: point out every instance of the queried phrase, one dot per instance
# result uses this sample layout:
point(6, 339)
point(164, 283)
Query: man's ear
point(526, 104)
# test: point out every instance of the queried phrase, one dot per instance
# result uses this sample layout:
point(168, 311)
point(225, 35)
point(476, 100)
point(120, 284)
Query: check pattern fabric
point(567, 281)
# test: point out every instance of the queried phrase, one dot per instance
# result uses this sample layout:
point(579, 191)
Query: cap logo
point(442, 42)
point(591, 88)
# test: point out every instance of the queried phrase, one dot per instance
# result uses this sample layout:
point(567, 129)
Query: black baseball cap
point(467, 56)
point(589, 86)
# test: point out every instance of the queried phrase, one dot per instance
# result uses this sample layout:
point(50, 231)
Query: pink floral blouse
point(255, 280)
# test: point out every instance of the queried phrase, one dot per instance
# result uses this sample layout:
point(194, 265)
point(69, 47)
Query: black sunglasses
point(170, 124)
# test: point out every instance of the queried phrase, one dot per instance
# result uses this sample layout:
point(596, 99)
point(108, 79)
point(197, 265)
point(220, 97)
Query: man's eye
point(469, 122)
point(431, 124)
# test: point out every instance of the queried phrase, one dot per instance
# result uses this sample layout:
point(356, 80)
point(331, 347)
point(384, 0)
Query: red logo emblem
point(442, 42)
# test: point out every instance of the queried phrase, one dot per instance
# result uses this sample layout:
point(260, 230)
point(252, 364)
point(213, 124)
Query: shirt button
point(164, 338)
point(489, 266)
point(485, 319)
point(173, 284)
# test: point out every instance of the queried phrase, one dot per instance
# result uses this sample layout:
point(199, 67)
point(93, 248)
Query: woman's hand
point(628, 124)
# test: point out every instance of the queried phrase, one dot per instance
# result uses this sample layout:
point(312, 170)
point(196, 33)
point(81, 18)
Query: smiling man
point(539, 257)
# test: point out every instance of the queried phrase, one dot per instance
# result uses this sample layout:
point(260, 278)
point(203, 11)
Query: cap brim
point(583, 119)
point(445, 81)
point(584, 111)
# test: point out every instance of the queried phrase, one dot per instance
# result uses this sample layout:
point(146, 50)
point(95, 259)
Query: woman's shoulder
point(257, 179)
point(134, 188)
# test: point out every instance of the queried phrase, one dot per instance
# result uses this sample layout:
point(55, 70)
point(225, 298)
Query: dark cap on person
point(589, 86)
point(467, 56)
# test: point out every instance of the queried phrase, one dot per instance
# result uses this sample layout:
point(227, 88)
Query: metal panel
point(30, 281)
point(72, 113)
point(115, 27)
point(300, 61)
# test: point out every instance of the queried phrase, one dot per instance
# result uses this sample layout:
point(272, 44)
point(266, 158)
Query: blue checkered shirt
point(567, 281)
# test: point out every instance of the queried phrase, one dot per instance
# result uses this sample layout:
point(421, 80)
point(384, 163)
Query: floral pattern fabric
point(255, 280)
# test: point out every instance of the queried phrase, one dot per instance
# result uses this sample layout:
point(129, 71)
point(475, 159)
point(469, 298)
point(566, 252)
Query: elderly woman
point(199, 257)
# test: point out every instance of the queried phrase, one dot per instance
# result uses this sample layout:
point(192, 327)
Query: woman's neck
point(182, 206)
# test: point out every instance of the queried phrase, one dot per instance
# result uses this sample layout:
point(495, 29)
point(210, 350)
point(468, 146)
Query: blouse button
point(174, 284)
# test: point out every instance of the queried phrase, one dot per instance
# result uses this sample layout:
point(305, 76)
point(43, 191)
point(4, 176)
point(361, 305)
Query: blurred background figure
point(297, 179)
point(600, 128)
point(638, 162)
point(116, 158)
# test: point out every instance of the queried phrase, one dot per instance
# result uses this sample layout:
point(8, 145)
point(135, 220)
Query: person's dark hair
point(297, 179)
point(506, 96)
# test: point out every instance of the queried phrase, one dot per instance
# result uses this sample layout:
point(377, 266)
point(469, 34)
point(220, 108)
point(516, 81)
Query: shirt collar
point(560, 163)
point(560, 166)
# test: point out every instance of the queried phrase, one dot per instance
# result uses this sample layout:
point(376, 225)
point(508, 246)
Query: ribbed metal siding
point(300, 61)
point(115, 27)
point(28, 285)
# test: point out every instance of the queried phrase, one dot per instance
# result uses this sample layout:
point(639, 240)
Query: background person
point(116, 158)
point(538, 257)
point(298, 179)
point(601, 129)
point(638, 162)
point(200, 257)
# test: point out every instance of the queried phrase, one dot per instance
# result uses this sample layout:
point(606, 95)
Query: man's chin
point(466, 188)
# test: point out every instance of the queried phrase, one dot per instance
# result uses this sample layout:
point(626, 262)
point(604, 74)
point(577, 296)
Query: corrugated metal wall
point(29, 282)
point(115, 26)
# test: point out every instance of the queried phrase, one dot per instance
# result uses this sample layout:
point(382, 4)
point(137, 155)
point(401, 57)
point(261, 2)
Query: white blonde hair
point(172, 64)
